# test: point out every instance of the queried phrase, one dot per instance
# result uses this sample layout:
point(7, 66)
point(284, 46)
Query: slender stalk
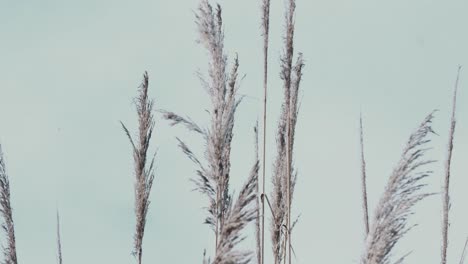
point(288, 183)
point(144, 173)
point(363, 179)
point(462, 259)
point(289, 52)
point(266, 29)
point(446, 197)
point(8, 226)
point(285, 242)
point(258, 223)
point(59, 240)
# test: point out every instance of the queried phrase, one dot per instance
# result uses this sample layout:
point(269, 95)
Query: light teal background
point(69, 71)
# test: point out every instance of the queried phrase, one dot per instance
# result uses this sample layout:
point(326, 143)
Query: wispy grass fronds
point(9, 250)
point(59, 240)
point(284, 178)
point(222, 87)
point(266, 32)
point(238, 216)
point(144, 172)
point(446, 195)
point(363, 180)
point(403, 191)
point(187, 122)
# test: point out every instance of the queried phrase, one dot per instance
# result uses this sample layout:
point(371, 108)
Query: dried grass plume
point(144, 172)
point(9, 250)
point(226, 217)
point(284, 177)
point(403, 191)
point(59, 241)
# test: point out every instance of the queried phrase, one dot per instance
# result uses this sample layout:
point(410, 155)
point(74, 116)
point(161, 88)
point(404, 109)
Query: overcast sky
point(69, 71)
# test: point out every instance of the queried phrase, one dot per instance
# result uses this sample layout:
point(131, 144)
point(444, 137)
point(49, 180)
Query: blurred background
point(69, 71)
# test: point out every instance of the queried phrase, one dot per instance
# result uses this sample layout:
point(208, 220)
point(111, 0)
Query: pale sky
point(69, 71)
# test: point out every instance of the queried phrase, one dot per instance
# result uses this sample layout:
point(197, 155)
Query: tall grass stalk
point(402, 192)
point(284, 178)
point(445, 191)
point(59, 240)
point(363, 179)
point(258, 224)
point(462, 259)
point(144, 172)
point(289, 39)
point(266, 31)
point(226, 217)
point(9, 250)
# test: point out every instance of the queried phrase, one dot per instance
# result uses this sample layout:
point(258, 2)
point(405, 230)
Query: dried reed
point(446, 195)
point(226, 218)
point(266, 31)
point(237, 217)
point(258, 224)
point(283, 177)
point(144, 174)
point(363, 180)
point(401, 193)
point(59, 240)
point(9, 250)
